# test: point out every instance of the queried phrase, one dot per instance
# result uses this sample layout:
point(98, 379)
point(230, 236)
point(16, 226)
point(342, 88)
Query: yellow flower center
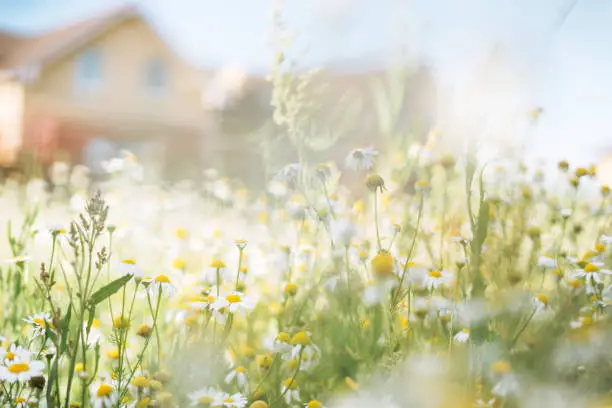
point(144, 402)
point(18, 368)
point(191, 321)
point(575, 283)
point(95, 323)
point(233, 298)
point(79, 367)
point(228, 399)
point(290, 383)
point(240, 369)
point(591, 268)
point(10, 355)
point(218, 264)
point(113, 353)
point(466, 331)
point(180, 233)
point(162, 279)
point(40, 322)
point(542, 298)
point(104, 390)
point(435, 274)
point(314, 404)
point(20, 400)
point(599, 247)
point(382, 264)
point(291, 289)
point(205, 400)
point(129, 261)
point(178, 263)
point(301, 338)
point(501, 367)
point(140, 381)
point(283, 337)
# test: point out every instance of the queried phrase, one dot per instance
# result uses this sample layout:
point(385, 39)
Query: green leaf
point(108, 290)
point(482, 225)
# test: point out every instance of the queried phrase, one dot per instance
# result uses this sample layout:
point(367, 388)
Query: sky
point(559, 60)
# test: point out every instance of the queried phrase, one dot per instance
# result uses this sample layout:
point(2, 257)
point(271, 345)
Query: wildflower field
point(475, 286)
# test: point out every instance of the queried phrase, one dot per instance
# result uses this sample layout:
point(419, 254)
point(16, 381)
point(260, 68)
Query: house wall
point(122, 95)
point(11, 117)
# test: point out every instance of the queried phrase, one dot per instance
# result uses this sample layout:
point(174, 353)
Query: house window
point(89, 70)
point(156, 76)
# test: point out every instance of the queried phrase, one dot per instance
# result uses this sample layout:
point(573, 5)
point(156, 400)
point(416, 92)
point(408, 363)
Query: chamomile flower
point(463, 336)
point(102, 395)
point(235, 302)
point(361, 158)
point(541, 301)
point(304, 348)
point(435, 279)
point(204, 397)
point(547, 261)
point(590, 272)
point(282, 343)
point(239, 375)
point(40, 322)
point(290, 391)
point(236, 400)
point(14, 353)
point(26, 402)
point(21, 370)
point(161, 283)
point(129, 267)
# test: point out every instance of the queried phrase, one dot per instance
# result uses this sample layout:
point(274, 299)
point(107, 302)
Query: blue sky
point(566, 69)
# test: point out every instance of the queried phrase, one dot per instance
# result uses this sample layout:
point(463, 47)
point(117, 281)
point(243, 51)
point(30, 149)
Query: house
point(85, 91)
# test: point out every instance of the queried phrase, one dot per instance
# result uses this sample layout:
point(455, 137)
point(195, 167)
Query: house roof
point(17, 52)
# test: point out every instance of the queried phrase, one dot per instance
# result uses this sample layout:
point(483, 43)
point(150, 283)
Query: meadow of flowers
point(470, 285)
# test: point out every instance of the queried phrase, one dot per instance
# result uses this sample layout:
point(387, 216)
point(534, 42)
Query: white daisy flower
point(361, 159)
point(282, 343)
point(291, 391)
point(21, 370)
point(14, 353)
point(102, 395)
point(239, 375)
point(435, 279)
point(204, 397)
point(40, 323)
point(235, 302)
point(129, 267)
point(547, 261)
point(590, 272)
point(23, 402)
point(161, 282)
point(463, 336)
point(541, 301)
point(236, 400)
